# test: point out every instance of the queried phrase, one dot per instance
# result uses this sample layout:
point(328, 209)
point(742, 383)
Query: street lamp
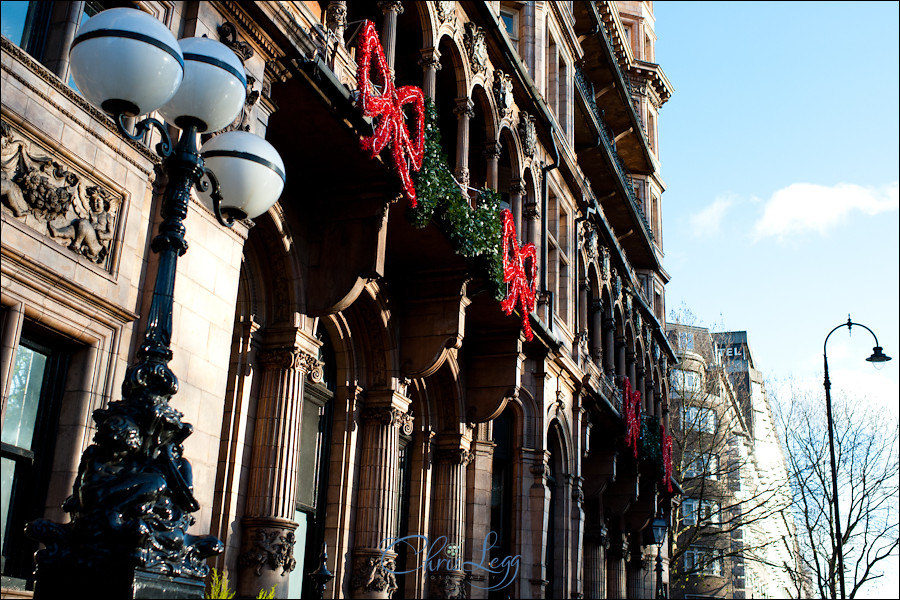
point(132, 500)
point(878, 358)
point(659, 526)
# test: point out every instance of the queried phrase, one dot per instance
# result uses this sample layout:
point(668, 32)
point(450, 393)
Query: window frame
point(711, 559)
point(33, 467)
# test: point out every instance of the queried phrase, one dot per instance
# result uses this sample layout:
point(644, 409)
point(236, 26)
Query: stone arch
point(482, 136)
point(446, 395)
point(272, 269)
point(416, 17)
point(526, 412)
point(595, 316)
point(509, 171)
point(560, 422)
point(529, 224)
point(375, 346)
point(454, 62)
point(451, 96)
point(630, 350)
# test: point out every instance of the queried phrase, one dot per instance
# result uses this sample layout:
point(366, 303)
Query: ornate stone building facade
point(733, 532)
point(350, 376)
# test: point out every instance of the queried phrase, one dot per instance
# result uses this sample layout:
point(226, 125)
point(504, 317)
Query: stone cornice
point(654, 75)
point(235, 11)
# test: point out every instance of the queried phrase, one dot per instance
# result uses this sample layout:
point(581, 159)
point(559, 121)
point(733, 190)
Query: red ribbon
point(521, 284)
point(388, 108)
point(632, 405)
point(667, 456)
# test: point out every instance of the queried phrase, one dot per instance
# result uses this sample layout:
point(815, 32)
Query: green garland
point(651, 444)
point(474, 233)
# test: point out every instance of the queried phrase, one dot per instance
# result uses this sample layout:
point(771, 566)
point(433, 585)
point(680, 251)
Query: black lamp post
point(132, 500)
point(878, 357)
point(659, 526)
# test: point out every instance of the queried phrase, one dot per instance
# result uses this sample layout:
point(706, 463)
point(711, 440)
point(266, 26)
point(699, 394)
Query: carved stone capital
point(531, 211)
point(270, 545)
point(287, 359)
point(454, 456)
point(387, 6)
point(577, 492)
point(492, 150)
point(517, 187)
point(431, 59)
point(465, 107)
point(447, 584)
point(372, 574)
point(389, 416)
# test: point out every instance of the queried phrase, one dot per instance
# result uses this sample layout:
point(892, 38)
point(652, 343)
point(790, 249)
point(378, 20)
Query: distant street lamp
point(659, 526)
point(878, 357)
point(132, 499)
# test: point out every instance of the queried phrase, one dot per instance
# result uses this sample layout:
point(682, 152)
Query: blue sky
point(779, 149)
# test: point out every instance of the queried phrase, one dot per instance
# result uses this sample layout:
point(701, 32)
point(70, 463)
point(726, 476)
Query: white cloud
point(802, 207)
point(709, 220)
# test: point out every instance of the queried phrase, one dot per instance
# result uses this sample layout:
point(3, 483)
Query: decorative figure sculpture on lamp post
point(877, 358)
point(133, 496)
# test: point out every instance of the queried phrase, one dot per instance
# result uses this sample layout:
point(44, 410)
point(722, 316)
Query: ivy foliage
point(473, 232)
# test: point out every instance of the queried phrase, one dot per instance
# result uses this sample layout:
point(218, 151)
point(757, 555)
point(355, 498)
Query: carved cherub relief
point(45, 195)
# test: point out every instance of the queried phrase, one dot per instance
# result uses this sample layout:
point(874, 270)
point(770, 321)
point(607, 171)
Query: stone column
point(391, 9)
point(595, 310)
point(533, 537)
point(596, 543)
point(268, 538)
point(639, 386)
point(384, 414)
point(465, 111)
point(478, 516)
point(621, 373)
point(64, 21)
point(576, 544)
point(635, 583)
point(492, 156)
point(630, 366)
point(446, 579)
point(517, 191)
point(609, 346)
point(431, 64)
point(617, 559)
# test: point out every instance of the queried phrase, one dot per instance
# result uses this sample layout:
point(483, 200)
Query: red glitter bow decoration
point(667, 456)
point(632, 402)
point(388, 108)
point(521, 285)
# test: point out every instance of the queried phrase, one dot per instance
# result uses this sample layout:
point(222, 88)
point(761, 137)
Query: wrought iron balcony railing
point(587, 90)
